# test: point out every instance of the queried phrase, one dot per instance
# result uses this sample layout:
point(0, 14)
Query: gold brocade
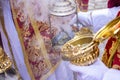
point(41, 44)
point(105, 57)
point(112, 52)
point(21, 41)
point(115, 66)
point(41, 57)
point(81, 50)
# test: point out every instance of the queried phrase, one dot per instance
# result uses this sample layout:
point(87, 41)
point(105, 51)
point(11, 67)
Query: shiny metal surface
point(62, 8)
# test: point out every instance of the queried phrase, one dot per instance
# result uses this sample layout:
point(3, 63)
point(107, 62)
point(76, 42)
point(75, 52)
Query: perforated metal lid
point(62, 8)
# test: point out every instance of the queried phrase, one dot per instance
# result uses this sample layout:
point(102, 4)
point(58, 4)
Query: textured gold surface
point(5, 62)
point(109, 30)
point(83, 48)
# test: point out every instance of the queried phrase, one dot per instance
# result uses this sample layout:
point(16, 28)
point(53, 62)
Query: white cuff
point(94, 71)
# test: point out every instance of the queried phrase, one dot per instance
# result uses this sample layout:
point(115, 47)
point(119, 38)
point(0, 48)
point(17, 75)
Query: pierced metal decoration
point(62, 8)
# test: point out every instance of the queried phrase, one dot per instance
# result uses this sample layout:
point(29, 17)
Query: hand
point(82, 18)
point(94, 71)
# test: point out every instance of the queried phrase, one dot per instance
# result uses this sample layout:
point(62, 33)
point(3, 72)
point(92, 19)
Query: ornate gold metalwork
point(83, 48)
point(111, 29)
point(5, 62)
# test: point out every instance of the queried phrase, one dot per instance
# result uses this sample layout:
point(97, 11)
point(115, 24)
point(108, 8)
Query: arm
point(96, 19)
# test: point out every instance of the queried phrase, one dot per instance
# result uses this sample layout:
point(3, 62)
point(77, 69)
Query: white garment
point(96, 19)
point(92, 72)
point(62, 72)
point(5, 42)
point(112, 74)
point(14, 40)
point(96, 71)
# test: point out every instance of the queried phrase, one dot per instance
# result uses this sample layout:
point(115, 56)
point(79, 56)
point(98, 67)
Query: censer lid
point(62, 8)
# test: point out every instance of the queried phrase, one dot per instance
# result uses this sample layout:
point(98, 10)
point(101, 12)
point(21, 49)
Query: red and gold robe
point(112, 48)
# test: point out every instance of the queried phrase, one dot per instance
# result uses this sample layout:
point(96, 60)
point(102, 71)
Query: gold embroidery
point(105, 57)
point(42, 26)
point(118, 49)
point(35, 38)
point(115, 66)
point(21, 40)
point(112, 47)
point(118, 55)
point(113, 51)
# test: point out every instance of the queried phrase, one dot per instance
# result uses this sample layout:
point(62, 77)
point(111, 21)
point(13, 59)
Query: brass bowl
point(87, 55)
point(81, 50)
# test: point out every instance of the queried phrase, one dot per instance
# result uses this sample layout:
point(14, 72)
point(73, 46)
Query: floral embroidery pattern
point(51, 36)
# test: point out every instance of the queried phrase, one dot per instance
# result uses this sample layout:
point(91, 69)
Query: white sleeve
point(101, 17)
point(112, 74)
point(94, 71)
point(84, 18)
point(14, 40)
point(96, 18)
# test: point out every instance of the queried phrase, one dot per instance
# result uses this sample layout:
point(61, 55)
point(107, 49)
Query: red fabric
point(85, 1)
point(83, 5)
point(118, 13)
point(113, 3)
point(116, 58)
point(116, 61)
point(109, 45)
